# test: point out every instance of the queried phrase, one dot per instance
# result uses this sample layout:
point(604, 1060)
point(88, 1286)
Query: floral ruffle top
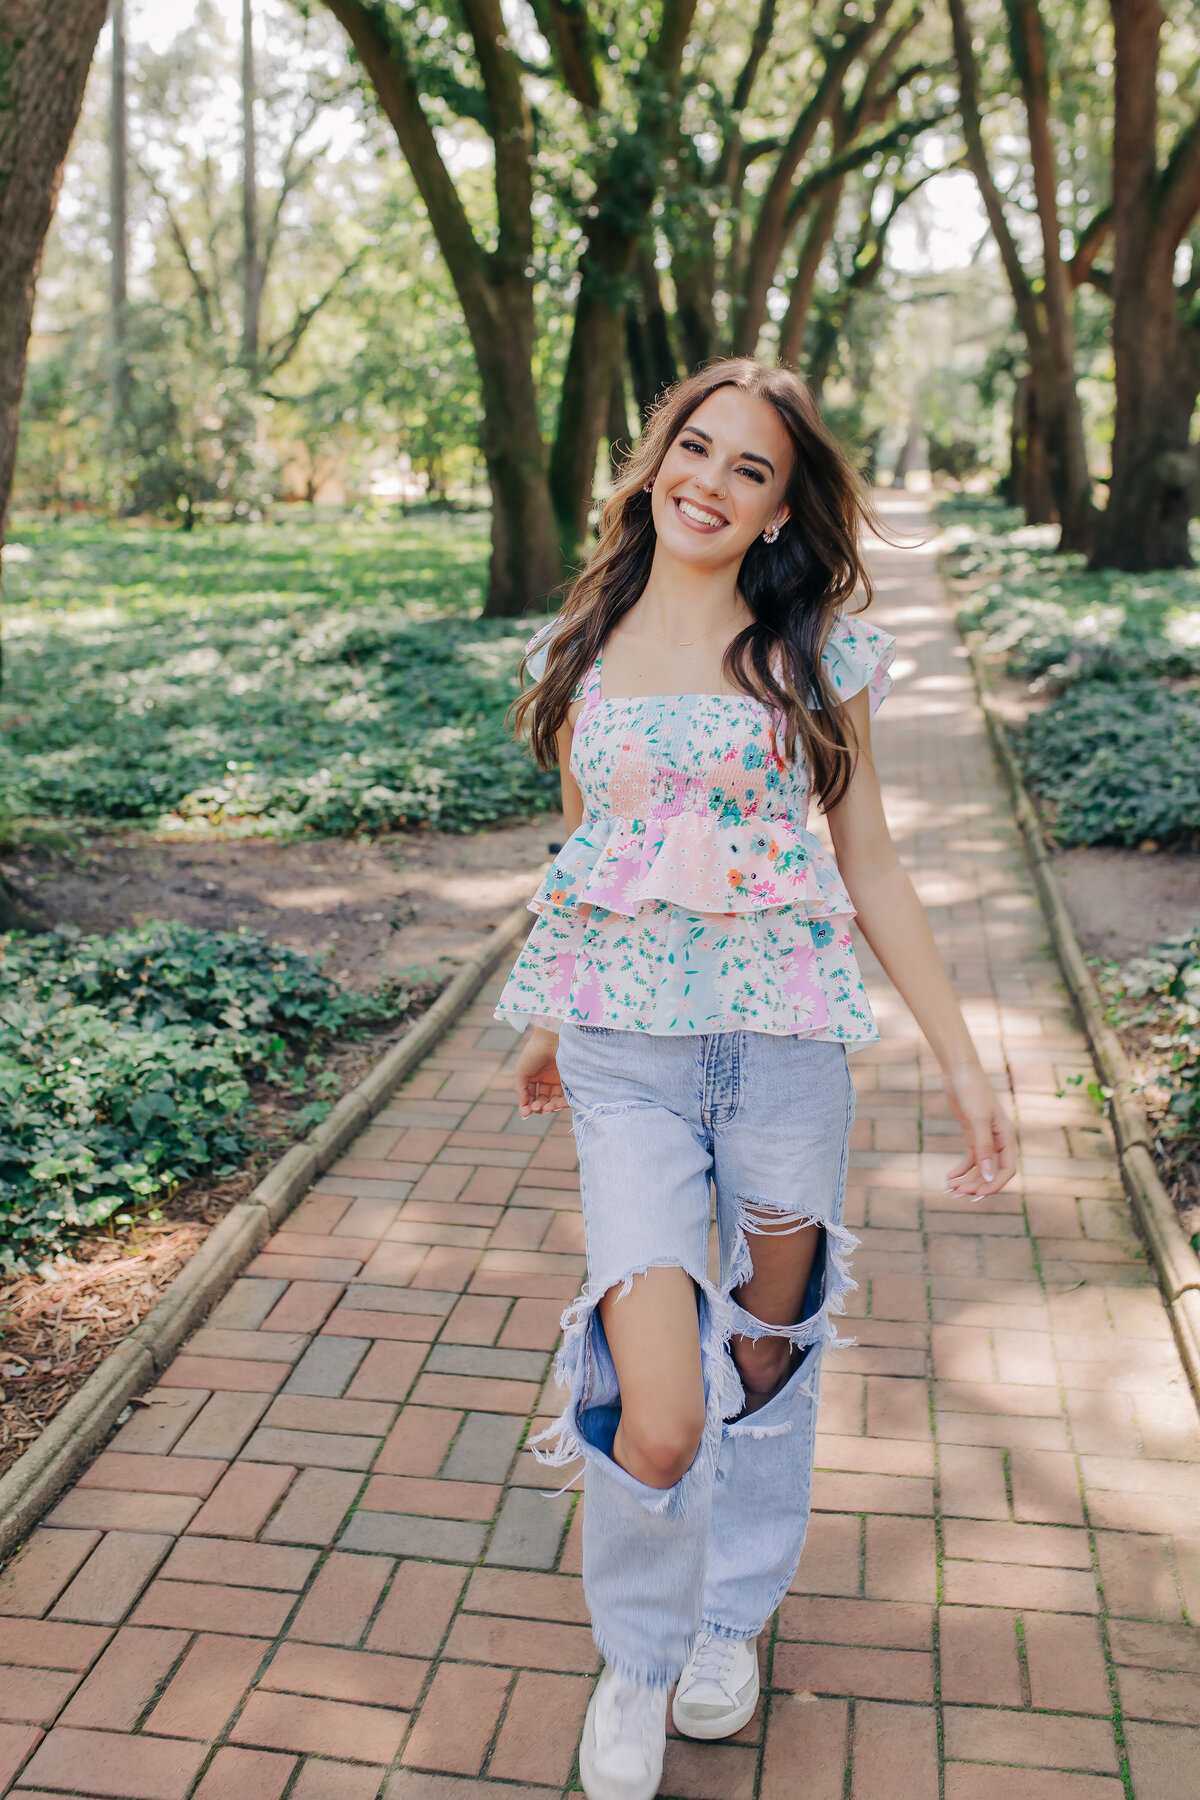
point(693, 898)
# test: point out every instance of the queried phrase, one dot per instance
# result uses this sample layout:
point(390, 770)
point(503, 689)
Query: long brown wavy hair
point(793, 587)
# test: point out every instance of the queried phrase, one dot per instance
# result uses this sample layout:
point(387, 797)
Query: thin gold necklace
point(685, 643)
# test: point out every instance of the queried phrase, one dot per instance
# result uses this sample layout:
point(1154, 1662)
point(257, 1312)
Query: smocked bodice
point(652, 757)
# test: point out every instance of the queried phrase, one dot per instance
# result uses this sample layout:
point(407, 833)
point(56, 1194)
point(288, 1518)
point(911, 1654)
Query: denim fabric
point(660, 1123)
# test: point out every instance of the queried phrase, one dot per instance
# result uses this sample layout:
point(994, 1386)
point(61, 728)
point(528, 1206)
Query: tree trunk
point(694, 317)
point(616, 428)
point(1045, 319)
point(652, 365)
point(252, 273)
point(526, 563)
point(816, 238)
point(1066, 449)
point(1155, 485)
point(118, 229)
point(771, 227)
point(494, 288)
point(619, 220)
point(587, 382)
point(1028, 485)
point(1156, 356)
point(909, 457)
point(825, 342)
point(45, 54)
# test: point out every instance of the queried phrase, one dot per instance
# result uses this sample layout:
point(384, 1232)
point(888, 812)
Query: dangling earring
point(770, 536)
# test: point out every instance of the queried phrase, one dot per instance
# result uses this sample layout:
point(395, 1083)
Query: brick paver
point(320, 1564)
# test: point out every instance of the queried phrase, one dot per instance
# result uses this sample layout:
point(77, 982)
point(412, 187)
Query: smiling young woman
point(690, 989)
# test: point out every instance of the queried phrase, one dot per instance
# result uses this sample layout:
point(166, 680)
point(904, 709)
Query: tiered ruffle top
point(693, 898)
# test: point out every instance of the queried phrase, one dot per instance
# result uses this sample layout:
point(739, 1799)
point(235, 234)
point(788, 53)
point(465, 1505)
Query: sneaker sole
point(599, 1787)
point(709, 1730)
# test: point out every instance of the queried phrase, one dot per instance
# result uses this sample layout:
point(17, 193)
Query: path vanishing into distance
point(320, 1564)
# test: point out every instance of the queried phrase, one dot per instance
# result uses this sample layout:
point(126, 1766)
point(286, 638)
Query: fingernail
point(989, 1169)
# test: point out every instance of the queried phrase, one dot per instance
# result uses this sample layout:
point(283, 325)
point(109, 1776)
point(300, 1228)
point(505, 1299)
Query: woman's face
point(723, 479)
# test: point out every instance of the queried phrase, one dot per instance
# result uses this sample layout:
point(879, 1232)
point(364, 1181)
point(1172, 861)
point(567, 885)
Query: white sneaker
point(624, 1736)
point(718, 1689)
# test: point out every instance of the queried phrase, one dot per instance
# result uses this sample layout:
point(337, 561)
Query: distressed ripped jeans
point(660, 1122)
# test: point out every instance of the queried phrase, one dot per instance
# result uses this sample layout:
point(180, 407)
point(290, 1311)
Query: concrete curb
point(88, 1417)
point(1175, 1262)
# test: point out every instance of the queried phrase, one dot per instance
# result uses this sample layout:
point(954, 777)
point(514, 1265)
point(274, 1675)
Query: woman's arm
point(894, 924)
point(535, 1077)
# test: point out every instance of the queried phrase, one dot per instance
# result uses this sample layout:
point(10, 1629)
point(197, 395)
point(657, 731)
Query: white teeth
point(697, 512)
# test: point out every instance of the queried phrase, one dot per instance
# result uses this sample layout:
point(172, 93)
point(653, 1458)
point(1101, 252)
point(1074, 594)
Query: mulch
point(59, 1322)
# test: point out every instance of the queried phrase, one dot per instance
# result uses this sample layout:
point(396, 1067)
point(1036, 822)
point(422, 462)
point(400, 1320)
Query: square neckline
point(595, 685)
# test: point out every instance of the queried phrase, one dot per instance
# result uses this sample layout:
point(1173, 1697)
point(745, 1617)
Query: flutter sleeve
point(857, 656)
point(538, 649)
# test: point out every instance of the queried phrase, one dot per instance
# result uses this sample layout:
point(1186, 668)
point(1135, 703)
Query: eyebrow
point(746, 455)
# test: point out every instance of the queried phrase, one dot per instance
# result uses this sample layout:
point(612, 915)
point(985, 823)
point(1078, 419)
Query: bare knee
point(659, 1447)
point(763, 1363)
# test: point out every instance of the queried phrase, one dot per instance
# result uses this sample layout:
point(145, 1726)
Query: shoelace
point(713, 1660)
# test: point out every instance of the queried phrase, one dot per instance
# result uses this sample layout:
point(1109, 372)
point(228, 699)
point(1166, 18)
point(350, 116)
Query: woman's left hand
point(990, 1157)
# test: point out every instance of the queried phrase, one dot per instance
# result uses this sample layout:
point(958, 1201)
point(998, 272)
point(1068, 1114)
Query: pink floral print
point(693, 898)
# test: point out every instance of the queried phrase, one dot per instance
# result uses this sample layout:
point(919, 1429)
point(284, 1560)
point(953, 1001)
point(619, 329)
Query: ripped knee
point(658, 1448)
point(784, 1298)
point(764, 1363)
point(770, 1218)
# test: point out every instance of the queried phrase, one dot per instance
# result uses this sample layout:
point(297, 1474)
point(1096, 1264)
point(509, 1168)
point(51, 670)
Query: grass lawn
point(306, 675)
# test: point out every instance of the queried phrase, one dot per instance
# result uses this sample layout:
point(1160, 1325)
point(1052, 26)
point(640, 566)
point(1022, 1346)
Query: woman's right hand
point(535, 1078)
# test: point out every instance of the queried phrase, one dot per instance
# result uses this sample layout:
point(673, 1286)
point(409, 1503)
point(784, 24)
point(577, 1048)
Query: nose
point(712, 482)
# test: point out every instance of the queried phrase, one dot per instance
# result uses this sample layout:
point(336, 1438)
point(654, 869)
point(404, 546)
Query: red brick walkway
point(319, 1562)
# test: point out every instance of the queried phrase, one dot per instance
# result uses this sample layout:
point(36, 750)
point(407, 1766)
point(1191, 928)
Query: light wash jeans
point(659, 1122)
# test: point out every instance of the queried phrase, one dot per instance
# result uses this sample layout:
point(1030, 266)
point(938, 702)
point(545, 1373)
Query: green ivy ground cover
point(299, 676)
point(125, 1064)
point(1114, 758)
point(1157, 997)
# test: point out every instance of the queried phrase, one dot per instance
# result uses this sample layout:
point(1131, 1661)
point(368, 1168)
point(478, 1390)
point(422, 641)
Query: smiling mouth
point(699, 517)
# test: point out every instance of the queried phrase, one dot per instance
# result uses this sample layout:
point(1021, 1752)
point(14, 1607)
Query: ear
point(781, 517)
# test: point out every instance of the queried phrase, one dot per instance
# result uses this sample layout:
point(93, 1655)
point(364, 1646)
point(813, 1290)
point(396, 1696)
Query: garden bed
point(1097, 678)
point(149, 1079)
point(186, 720)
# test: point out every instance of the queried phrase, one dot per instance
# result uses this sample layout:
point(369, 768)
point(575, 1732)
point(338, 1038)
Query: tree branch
point(291, 175)
point(732, 163)
point(199, 285)
point(989, 193)
point(568, 30)
point(764, 25)
point(1177, 200)
point(512, 131)
point(1088, 245)
point(856, 156)
point(285, 347)
point(383, 55)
